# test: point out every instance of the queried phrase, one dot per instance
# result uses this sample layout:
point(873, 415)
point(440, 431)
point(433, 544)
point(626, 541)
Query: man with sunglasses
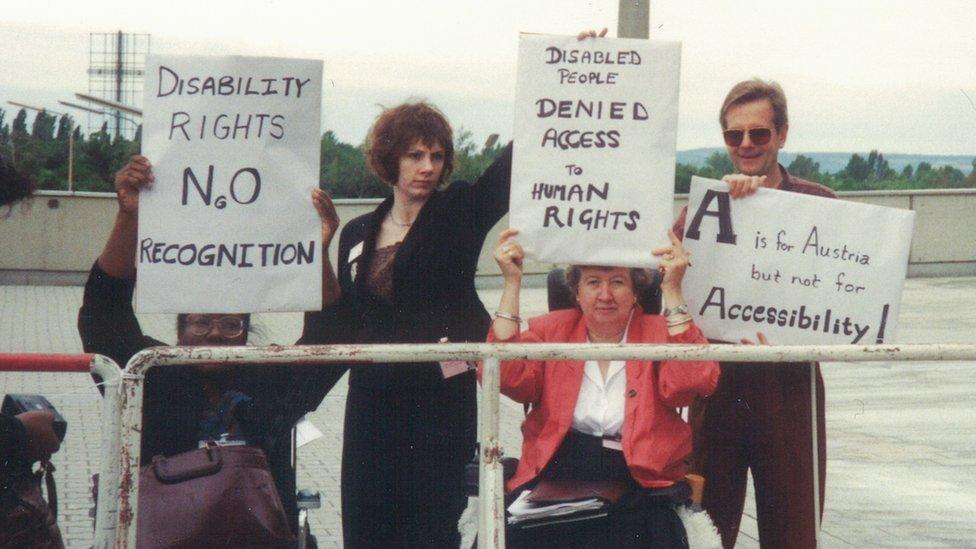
point(759, 416)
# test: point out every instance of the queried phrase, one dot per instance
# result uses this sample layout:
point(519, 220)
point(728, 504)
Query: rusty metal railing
point(106, 512)
point(491, 508)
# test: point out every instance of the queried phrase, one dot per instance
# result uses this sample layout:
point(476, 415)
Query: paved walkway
point(901, 466)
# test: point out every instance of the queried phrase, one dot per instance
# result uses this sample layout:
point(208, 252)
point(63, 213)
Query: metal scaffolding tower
point(116, 67)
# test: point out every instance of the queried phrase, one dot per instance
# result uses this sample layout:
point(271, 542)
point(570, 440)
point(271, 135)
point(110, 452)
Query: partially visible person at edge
point(24, 439)
point(407, 276)
point(183, 406)
point(759, 417)
point(604, 420)
point(14, 186)
point(28, 437)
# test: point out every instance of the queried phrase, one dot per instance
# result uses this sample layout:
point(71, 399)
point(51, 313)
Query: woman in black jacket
point(407, 276)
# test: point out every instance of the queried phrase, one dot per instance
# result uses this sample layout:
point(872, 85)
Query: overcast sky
point(892, 75)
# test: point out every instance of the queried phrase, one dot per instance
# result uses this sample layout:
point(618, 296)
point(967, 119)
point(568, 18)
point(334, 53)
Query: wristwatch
point(678, 310)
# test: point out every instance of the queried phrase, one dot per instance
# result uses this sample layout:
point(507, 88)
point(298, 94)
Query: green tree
point(857, 169)
point(5, 151)
point(343, 171)
point(19, 138)
point(804, 167)
point(970, 180)
point(469, 161)
point(878, 168)
point(682, 177)
point(717, 165)
point(100, 157)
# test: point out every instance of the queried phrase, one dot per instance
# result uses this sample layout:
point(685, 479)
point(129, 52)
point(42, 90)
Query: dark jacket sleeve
point(13, 440)
point(106, 322)
point(492, 190)
point(332, 325)
point(172, 399)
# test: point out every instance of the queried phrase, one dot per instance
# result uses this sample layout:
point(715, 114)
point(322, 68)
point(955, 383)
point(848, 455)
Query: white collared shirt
point(600, 405)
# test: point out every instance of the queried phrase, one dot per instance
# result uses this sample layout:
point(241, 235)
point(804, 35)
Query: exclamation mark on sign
point(884, 320)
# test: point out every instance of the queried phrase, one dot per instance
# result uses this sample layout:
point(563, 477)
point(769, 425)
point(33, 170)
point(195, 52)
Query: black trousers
point(403, 460)
point(640, 519)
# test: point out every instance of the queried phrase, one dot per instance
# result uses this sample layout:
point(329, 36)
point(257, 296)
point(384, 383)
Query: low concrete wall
point(55, 237)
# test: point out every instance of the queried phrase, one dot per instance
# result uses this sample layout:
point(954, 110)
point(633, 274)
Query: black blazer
point(433, 278)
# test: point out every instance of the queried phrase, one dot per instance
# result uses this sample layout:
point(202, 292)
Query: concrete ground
point(901, 468)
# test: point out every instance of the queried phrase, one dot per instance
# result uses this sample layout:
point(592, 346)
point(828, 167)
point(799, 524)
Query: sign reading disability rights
point(229, 225)
point(594, 153)
point(801, 269)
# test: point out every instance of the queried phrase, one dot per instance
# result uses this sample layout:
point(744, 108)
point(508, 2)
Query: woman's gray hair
point(640, 279)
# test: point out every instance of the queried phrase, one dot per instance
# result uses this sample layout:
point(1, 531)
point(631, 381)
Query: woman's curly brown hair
point(397, 129)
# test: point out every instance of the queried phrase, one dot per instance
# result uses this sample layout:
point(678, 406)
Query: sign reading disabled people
point(229, 224)
point(594, 153)
point(801, 269)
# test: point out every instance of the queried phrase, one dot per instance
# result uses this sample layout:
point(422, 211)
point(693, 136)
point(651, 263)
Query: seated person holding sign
point(604, 420)
point(251, 404)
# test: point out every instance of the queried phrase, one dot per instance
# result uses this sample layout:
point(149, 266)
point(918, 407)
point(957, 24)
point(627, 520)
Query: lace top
point(379, 279)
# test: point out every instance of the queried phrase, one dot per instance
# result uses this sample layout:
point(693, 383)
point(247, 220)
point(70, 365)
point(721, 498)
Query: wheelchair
point(559, 296)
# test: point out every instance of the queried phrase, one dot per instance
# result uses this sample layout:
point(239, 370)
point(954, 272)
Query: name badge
point(354, 254)
point(451, 368)
point(613, 444)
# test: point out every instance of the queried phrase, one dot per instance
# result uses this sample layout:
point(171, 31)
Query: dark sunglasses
point(758, 136)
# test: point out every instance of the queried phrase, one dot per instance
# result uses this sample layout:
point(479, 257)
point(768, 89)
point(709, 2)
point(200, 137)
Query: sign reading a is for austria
point(801, 269)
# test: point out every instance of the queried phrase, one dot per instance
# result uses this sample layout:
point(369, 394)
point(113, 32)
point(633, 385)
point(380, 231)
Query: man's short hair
point(755, 89)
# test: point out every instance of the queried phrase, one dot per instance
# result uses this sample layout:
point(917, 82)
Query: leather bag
point(27, 521)
point(564, 491)
point(217, 496)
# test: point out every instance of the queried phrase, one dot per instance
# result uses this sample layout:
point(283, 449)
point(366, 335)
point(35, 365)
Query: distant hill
point(833, 162)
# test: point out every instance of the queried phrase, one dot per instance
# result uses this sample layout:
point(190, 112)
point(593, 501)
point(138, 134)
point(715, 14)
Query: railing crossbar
point(491, 510)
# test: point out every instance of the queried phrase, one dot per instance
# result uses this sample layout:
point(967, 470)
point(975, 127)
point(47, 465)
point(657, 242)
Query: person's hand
point(132, 178)
point(327, 214)
point(759, 335)
point(509, 255)
point(673, 262)
point(42, 441)
point(583, 35)
point(741, 186)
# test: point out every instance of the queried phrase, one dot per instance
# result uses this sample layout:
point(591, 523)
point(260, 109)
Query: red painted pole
point(45, 362)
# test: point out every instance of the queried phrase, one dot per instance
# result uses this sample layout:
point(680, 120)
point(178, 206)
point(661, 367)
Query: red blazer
point(655, 439)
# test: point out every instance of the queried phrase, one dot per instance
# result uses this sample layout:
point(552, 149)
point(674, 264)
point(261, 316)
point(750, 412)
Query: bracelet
point(673, 323)
point(508, 316)
point(679, 309)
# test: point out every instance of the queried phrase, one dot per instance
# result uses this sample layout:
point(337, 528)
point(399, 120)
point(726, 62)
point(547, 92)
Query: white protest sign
point(594, 155)
point(801, 269)
point(229, 225)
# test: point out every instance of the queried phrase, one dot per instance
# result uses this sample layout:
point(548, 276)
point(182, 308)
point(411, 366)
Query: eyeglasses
point(758, 136)
point(228, 326)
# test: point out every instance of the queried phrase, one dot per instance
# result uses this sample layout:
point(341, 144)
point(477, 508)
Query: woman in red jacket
point(605, 420)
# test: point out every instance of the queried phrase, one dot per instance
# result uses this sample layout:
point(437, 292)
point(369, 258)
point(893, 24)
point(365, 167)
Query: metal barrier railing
point(106, 512)
point(491, 508)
